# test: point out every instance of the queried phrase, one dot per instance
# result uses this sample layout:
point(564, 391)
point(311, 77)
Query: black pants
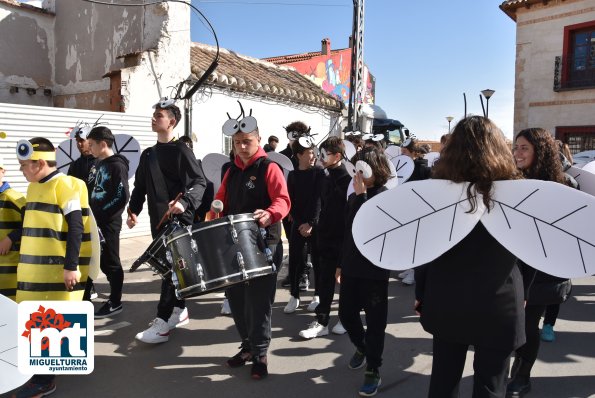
point(168, 300)
point(326, 290)
point(370, 295)
point(551, 314)
point(110, 262)
point(490, 370)
point(299, 247)
point(251, 306)
point(528, 352)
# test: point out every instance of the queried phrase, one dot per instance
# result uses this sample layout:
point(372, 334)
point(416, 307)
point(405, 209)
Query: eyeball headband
point(246, 125)
point(26, 151)
point(164, 103)
point(373, 137)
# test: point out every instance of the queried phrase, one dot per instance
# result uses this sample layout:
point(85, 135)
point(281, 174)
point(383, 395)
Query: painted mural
point(332, 74)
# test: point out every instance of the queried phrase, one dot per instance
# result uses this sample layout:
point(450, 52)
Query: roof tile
point(241, 73)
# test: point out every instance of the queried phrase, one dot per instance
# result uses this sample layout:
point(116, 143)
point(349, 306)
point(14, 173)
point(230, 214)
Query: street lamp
point(449, 118)
point(487, 93)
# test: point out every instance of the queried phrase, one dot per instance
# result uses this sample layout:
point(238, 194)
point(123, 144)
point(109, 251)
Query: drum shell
point(155, 255)
point(211, 248)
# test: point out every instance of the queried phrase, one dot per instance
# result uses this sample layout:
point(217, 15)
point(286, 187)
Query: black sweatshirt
point(182, 174)
point(304, 192)
point(110, 192)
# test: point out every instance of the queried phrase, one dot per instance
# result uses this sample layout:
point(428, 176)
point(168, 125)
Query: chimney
point(350, 41)
point(326, 46)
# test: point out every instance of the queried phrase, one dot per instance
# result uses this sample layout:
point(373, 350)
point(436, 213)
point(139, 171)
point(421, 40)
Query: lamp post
point(449, 118)
point(487, 93)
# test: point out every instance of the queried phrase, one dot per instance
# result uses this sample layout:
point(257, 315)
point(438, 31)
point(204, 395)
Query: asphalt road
point(192, 362)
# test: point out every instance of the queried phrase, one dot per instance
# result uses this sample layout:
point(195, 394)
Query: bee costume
point(12, 204)
point(44, 253)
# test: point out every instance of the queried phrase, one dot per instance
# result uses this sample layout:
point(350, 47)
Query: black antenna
point(482, 107)
point(465, 101)
point(242, 108)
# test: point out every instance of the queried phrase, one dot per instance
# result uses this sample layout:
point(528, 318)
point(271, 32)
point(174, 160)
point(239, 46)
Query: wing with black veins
point(547, 225)
point(414, 223)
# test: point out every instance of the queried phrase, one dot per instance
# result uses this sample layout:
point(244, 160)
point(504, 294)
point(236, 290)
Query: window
point(578, 69)
point(578, 138)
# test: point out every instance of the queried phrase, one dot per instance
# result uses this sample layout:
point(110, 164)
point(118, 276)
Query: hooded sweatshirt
point(110, 191)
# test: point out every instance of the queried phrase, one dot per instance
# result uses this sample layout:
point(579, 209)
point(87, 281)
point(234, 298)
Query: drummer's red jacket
point(276, 188)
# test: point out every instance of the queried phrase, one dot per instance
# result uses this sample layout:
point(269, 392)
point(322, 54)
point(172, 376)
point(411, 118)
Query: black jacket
point(354, 264)
point(304, 188)
point(331, 221)
point(84, 168)
point(473, 294)
point(421, 171)
point(181, 174)
point(110, 192)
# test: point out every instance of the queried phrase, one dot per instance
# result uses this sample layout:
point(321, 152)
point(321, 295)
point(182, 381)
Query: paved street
point(192, 362)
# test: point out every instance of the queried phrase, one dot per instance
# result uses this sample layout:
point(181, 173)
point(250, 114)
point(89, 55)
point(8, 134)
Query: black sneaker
point(35, 390)
point(286, 282)
point(259, 368)
point(372, 381)
point(518, 387)
point(357, 360)
point(108, 309)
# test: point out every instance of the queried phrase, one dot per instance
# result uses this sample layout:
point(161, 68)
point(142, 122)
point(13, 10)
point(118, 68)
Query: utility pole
point(357, 89)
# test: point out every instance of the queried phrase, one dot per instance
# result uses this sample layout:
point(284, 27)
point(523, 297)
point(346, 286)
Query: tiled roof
point(24, 6)
point(285, 59)
point(510, 6)
point(250, 75)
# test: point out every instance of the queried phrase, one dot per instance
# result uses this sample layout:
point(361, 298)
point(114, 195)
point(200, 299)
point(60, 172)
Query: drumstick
point(168, 211)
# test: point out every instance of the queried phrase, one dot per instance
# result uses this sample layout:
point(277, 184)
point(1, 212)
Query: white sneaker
point(409, 279)
point(339, 329)
point(179, 317)
point(158, 332)
point(314, 303)
point(225, 308)
point(292, 305)
point(315, 329)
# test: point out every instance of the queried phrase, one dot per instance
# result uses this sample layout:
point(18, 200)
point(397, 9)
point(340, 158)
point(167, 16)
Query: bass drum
point(217, 254)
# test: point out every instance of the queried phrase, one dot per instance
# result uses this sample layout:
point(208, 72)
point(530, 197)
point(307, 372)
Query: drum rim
point(229, 220)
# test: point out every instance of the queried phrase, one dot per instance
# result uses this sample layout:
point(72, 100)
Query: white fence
point(25, 121)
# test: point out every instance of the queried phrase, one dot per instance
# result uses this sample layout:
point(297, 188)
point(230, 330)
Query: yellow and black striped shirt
point(40, 273)
point(12, 204)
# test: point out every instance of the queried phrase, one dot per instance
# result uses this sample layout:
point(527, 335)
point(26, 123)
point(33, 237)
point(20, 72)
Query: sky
point(423, 54)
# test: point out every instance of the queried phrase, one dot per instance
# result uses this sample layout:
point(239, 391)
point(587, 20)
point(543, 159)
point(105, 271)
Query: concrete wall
point(208, 118)
point(27, 54)
point(71, 51)
point(540, 33)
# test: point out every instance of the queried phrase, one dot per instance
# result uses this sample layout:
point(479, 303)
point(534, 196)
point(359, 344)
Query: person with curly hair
point(538, 157)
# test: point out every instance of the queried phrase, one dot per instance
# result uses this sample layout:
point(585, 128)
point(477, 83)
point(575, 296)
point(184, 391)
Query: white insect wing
point(11, 377)
point(281, 160)
point(127, 146)
point(66, 154)
point(392, 151)
point(349, 149)
point(545, 224)
point(404, 166)
point(432, 157)
point(584, 177)
point(590, 167)
point(211, 166)
point(414, 223)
